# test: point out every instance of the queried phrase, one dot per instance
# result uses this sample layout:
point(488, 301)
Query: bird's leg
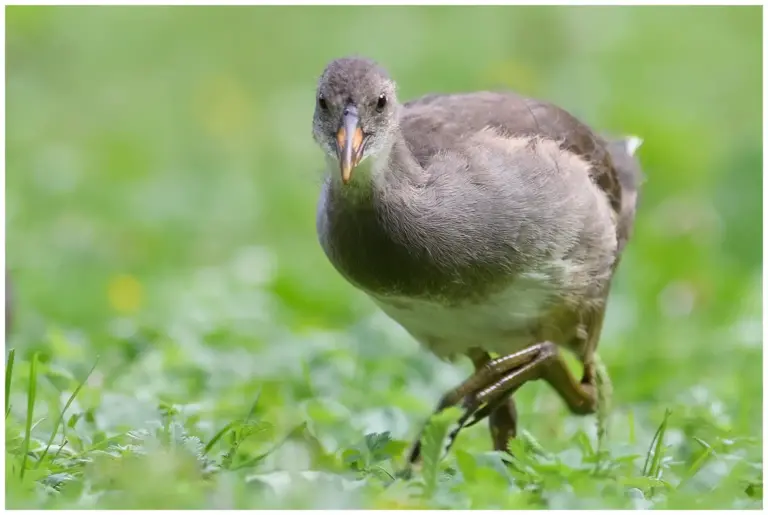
point(502, 421)
point(488, 374)
point(580, 396)
point(503, 424)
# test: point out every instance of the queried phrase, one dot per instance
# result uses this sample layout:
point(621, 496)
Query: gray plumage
point(474, 220)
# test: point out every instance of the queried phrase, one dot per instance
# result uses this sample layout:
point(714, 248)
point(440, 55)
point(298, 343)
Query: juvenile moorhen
point(482, 223)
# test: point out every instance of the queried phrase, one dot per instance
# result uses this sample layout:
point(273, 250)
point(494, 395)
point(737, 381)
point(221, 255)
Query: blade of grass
point(218, 436)
point(658, 453)
point(63, 444)
point(229, 426)
point(35, 424)
point(253, 406)
point(700, 461)
point(696, 466)
point(8, 375)
point(703, 443)
point(98, 446)
point(653, 458)
point(582, 440)
point(291, 434)
point(63, 411)
point(31, 393)
point(650, 450)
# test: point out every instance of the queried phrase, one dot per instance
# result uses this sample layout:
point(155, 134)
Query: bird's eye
point(322, 102)
point(381, 103)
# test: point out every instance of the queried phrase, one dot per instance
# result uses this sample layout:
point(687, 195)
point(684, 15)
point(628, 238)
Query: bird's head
point(355, 112)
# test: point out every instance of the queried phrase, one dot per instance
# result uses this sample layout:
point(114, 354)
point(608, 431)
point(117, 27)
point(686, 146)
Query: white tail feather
point(632, 143)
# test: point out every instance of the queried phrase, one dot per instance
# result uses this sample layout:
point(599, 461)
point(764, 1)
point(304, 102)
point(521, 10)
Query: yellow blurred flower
point(125, 294)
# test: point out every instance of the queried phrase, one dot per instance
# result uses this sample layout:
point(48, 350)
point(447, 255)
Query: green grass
point(180, 340)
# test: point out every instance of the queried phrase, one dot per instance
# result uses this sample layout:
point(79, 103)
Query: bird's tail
point(624, 155)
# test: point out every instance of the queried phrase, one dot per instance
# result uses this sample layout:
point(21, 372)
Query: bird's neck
point(393, 166)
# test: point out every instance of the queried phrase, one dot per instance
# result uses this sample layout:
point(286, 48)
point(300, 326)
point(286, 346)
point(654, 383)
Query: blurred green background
point(161, 184)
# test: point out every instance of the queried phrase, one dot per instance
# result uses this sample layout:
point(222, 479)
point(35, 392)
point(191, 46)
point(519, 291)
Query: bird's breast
point(528, 310)
point(382, 257)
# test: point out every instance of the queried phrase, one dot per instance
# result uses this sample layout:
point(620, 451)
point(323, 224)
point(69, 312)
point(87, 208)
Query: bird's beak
point(349, 141)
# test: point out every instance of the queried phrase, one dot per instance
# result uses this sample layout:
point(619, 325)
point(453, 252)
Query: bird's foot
point(489, 389)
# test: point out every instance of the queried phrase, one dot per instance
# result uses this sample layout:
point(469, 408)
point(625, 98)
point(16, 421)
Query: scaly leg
point(489, 373)
point(502, 422)
point(548, 364)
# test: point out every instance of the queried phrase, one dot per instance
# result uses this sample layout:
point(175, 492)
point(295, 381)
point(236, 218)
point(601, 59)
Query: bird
point(487, 224)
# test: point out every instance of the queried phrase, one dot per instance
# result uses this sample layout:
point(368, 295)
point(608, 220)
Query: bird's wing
point(437, 122)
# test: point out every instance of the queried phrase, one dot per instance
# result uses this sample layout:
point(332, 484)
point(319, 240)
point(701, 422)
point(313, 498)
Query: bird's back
point(436, 122)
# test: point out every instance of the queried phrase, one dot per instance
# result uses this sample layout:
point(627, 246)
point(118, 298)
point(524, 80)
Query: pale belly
point(518, 317)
